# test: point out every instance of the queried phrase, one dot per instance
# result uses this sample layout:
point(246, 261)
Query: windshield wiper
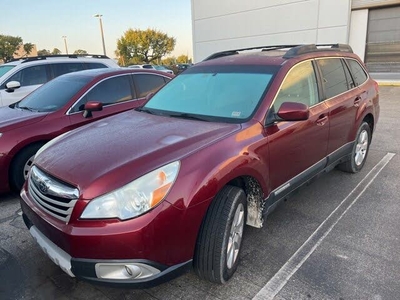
point(190, 116)
point(146, 110)
point(27, 108)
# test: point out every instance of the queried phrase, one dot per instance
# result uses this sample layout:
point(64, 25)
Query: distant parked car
point(145, 66)
point(163, 69)
point(65, 103)
point(20, 77)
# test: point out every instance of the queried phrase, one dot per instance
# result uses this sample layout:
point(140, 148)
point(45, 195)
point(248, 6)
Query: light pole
point(65, 43)
point(101, 30)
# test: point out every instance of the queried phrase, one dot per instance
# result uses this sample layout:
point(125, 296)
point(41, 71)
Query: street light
point(65, 43)
point(101, 30)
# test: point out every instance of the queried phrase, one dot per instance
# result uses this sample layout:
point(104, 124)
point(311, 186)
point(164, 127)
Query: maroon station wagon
point(59, 106)
point(140, 197)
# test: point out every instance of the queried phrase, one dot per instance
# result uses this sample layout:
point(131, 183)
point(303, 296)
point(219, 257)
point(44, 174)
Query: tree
point(144, 45)
point(171, 60)
point(43, 52)
point(28, 47)
point(8, 46)
point(183, 59)
point(80, 52)
point(56, 51)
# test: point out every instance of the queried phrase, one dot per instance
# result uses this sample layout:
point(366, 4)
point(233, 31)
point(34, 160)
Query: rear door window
point(63, 68)
point(95, 65)
point(147, 83)
point(358, 72)
point(333, 76)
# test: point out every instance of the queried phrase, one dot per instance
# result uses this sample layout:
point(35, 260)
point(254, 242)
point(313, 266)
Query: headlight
point(135, 198)
point(1, 134)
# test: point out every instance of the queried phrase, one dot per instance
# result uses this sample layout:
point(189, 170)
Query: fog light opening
point(124, 271)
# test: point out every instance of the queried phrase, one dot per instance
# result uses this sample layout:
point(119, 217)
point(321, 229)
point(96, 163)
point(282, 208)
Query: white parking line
point(279, 280)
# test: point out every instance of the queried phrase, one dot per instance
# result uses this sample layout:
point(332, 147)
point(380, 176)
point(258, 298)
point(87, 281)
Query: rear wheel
point(220, 238)
point(360, 150)
point(21, 166)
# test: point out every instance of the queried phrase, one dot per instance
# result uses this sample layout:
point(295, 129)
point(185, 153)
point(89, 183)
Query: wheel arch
point(19, 150)
point(369, 118)
point(255, 198)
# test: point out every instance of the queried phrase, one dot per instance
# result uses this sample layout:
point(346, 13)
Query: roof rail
point(302, 49)
point(236, 51)
point(33, 58)
point(292, 52)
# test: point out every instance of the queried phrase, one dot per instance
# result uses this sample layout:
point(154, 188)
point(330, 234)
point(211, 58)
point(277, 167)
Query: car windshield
point(5, 68)
point(54, 94)
point(223, 93)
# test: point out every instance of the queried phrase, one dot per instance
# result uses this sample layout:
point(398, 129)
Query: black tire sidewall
point(227, 273)
point(17, 166)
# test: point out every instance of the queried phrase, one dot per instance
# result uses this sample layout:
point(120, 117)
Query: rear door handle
point(357, 101)
point(322, 120)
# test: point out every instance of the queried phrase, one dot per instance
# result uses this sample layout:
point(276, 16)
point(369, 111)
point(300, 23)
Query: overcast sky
point(44, 22)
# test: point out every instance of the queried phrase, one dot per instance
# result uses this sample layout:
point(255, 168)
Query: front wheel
point(360, 150)
point(220, 237)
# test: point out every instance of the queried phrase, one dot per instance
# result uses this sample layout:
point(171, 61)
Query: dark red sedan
point(138, 198)
point(63, 104)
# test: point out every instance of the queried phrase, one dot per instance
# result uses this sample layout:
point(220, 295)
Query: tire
point(21, 165)
point(360, 150)
point(219, 242)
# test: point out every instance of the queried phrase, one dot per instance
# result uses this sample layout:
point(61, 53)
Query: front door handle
point(322, 119)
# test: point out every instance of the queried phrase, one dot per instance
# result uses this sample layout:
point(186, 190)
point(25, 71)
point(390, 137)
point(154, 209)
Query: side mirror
point(293, 111)
point(12, 85)
point(90, 107)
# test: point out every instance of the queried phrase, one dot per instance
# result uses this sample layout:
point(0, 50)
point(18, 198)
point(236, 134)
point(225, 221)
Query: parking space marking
point(280, 279)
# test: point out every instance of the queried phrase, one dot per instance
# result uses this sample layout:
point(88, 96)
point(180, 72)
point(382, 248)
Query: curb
point(388, 83)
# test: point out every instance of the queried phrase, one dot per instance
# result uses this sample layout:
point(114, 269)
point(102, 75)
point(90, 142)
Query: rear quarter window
point(147, 83)
point(359, 75)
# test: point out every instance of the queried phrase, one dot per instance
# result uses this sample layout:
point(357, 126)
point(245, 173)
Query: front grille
point(53, 196)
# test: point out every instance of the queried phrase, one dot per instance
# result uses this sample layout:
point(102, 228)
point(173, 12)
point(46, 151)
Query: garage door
point(383, 40)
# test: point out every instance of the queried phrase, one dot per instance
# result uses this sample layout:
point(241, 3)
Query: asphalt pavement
point(338, 238)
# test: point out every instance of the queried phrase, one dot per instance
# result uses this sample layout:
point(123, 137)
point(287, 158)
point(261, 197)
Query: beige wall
point(21, 53)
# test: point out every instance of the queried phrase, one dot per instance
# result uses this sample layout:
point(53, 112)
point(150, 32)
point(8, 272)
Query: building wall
point(229, 24)
point(358, 31)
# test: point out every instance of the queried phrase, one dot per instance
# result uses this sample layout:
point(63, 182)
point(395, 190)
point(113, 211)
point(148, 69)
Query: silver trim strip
point(55, 253)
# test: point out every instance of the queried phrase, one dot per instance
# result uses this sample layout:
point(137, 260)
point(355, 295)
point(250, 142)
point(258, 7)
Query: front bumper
point(136, 273)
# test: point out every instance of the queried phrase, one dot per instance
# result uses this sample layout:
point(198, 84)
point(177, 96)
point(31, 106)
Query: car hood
point(14, 118)
point(112, 152)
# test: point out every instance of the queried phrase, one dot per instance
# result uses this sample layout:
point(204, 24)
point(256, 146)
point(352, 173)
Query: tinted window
point(358, 72)
point(5, 68)
point(60, 69)
point(55, 94)
point(31, 75)
point(333, 77)
point(146, 83)
point(299, 86)
point(95, 65)
point(350, 82)
point(110, 91)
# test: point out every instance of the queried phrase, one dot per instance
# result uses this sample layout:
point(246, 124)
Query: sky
point(45, 22)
